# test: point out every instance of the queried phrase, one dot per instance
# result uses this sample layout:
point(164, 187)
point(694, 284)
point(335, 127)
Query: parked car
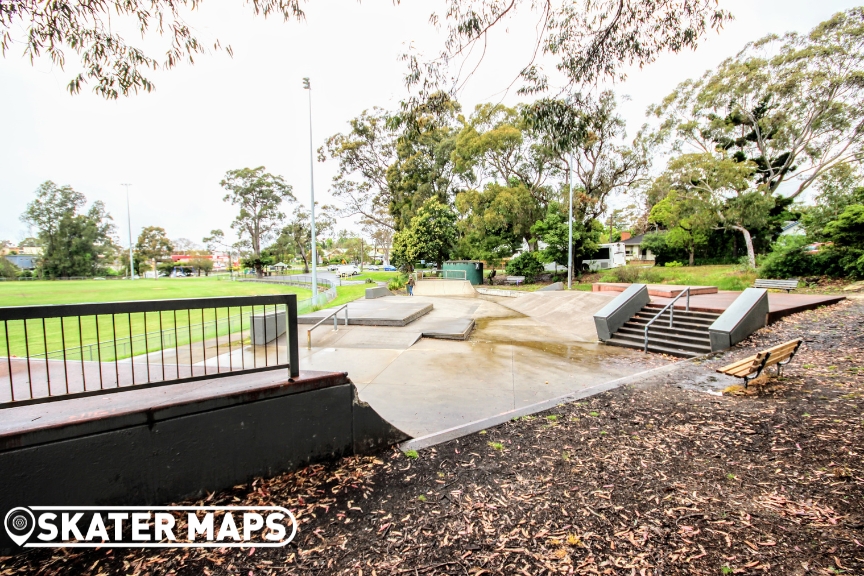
point(372, 267)
point(388, 268)
point(348, 270)
point(333, 268)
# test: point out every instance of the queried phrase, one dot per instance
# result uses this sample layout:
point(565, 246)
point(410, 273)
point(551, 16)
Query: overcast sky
point(175, 144)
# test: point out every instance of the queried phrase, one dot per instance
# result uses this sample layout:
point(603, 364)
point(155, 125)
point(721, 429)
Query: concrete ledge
point(377, 292)
point(612, 316)
point(394, 311)
point(657, 290)
point(748, 313)
point(449, 329)
point(555, 286)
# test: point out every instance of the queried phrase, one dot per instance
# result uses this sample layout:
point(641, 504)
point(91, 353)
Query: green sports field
point(24, 293)
point(120, 336)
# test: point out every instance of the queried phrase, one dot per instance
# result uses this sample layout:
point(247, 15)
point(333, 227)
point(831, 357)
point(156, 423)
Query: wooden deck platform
point(659, 290)
point(779, 305)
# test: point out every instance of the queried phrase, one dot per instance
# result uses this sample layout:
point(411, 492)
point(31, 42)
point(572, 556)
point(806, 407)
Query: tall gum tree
point(712, 190)
point(154, 245)
point(790, 104)
point(259, 196)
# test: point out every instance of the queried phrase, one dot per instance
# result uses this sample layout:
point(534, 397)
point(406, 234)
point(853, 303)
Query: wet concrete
point(510, 360)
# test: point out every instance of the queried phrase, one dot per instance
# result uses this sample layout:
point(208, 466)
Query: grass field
point(76, 291)
point(95, 338)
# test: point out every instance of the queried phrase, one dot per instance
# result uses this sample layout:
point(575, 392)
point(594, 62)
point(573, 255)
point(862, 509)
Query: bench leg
point(758, 372)
point(791, 356)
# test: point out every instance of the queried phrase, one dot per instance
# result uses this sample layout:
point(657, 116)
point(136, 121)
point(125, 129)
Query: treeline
point(741, 145)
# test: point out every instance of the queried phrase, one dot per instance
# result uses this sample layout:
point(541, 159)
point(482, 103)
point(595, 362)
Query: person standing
point(410, 286)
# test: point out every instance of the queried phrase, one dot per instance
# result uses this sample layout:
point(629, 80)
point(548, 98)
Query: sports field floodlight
point(129, 220)
point(308, 86)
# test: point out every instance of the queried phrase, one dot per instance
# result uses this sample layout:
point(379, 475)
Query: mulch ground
point(662, 478)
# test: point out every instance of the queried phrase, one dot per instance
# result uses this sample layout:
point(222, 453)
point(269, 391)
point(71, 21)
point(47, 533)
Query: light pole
point(129, 221)
point(570, 226)
point(308, 86)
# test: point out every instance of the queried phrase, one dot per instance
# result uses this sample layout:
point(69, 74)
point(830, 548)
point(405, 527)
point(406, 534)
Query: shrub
point(626, 274)
point(398, 282)
point(7, 269)
point(787, 259)
point(651, 276)
point(673, 264)
point(526, 264)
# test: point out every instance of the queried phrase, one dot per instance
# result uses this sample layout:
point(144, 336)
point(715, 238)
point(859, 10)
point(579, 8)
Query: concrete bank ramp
point(444, 288)
point(568, 312)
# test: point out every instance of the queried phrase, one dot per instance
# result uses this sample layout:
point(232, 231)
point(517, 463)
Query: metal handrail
point(335, 324)
point(671, 314)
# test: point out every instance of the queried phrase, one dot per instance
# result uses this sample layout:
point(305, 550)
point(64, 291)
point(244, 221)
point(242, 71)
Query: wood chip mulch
point(661, 478)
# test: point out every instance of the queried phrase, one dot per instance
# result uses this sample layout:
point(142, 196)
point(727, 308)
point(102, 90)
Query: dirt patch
point(661, 478)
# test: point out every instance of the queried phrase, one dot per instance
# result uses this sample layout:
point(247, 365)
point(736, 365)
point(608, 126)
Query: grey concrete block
point(612, 316)
point(748, 313)
point(377, 292)
point(267, 327)
point(551, 287)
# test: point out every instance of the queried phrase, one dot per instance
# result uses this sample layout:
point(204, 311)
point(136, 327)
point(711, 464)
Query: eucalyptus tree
point(297, 231)
point(364, 154)
point(704, 191)
point(509, 180)
point(587, 40)
point(74, 241)
point(790, 104)
point(423, 168)
point(259, 196)
point(154, 245)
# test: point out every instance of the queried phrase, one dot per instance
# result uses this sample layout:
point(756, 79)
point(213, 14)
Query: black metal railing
point(62, 351)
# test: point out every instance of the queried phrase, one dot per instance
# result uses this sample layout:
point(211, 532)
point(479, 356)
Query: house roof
point(789, 224)
point(633, 240)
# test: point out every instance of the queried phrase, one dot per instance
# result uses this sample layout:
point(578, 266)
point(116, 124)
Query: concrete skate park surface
point(514, 358)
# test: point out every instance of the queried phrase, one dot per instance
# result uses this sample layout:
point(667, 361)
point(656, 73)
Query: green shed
point(473, 270)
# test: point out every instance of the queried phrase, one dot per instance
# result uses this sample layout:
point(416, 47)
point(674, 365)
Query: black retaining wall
point(159, 457)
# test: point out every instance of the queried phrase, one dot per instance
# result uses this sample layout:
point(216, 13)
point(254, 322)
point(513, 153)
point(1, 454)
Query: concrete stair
point(688, 336)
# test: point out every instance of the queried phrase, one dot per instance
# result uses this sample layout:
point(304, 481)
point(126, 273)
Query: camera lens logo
point(19, 523)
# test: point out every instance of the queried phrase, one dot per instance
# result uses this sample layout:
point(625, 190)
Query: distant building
point(792, 229)
point(221, 261)
point(633, 248)
point(23, 261)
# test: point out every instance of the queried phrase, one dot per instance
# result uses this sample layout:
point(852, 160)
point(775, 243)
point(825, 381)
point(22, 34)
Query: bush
point(656, 243)
point(652, 276)
point(7, 269)
point(626, 274)
point(788, 260)
point(673, 264)
point(398, 282)
point(526, 264)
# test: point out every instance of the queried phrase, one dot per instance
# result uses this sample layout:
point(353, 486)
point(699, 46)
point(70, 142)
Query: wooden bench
point(515, 279)
point(752, 367)
point(778, 284)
